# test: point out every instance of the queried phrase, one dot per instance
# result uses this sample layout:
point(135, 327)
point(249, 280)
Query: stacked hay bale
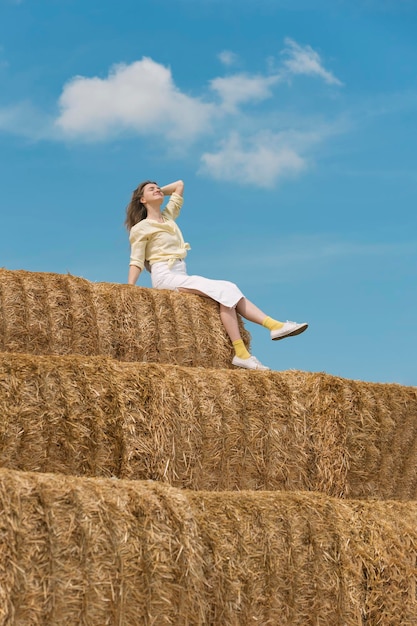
point(220, 520)
point(44, 313)
point(207, 429)
point(97, 551)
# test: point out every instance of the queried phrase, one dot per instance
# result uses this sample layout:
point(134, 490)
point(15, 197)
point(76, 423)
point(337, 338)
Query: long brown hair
point(135, 210)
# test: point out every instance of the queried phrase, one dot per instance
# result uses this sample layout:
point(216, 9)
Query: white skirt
point(222, 291)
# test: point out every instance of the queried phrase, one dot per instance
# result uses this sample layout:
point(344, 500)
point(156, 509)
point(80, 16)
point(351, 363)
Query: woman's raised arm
point(176, 187)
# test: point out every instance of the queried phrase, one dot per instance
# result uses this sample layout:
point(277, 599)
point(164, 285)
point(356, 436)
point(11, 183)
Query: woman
point(157, 244)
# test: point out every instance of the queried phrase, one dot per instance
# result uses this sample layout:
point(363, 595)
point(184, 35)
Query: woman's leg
point(250, 311)
point(278, 329)
point(229, 320)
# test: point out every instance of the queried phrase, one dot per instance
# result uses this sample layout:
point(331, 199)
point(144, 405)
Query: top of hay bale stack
point(57, 314)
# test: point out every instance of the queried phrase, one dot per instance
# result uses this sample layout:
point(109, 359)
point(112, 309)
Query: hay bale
point(103, 552)
point(45, 313)
point(208, 429)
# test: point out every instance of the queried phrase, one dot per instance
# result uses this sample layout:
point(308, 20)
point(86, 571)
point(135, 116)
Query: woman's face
point(151, 192)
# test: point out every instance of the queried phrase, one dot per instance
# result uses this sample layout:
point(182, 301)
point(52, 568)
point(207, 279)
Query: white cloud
point(305, 60)
point(263, 161)
point(227, 57)
point(140, 97)
point(143, 98)
point(240, 88)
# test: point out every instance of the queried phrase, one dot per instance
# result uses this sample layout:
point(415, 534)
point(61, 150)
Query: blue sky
point(293, 124)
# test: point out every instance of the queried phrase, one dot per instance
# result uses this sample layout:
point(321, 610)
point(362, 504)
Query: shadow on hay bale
point(44, 313)
point(208, 429)
point(103, 552)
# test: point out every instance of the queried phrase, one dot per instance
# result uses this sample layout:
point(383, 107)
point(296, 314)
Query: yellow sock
point(272, 324)
point(240, 349)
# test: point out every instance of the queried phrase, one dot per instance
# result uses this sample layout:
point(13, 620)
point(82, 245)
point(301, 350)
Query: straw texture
point(45, 313)
point(208, 429)
point(224, 524)
point(103, 552)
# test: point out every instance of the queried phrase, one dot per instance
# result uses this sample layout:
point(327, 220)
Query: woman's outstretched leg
point(250, 311)
point(278, 329)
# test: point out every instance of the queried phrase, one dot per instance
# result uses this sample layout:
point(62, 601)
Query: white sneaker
point(251, 363)
point(289, 330)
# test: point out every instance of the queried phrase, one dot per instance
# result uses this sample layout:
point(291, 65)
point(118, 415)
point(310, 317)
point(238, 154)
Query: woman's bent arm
point(177, 187)
point(134, 273)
